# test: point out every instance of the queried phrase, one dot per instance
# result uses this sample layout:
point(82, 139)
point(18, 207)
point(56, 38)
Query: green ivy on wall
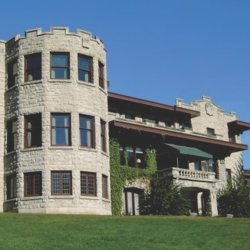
point(120, 174)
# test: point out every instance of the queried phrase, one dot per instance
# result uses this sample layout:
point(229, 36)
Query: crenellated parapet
point(86, 37)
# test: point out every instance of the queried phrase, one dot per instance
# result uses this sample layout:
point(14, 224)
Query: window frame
point(36, 131)
point(31, 182)
point(61, 182)
point(103, 128)
point(12, 136)
point(91, 130)
point(101, 78)
point(60, 67)
point(105, 189)
point(89, 71)
point(28, 71)
point(54, 127)
point(12, 78)
point(89, 185)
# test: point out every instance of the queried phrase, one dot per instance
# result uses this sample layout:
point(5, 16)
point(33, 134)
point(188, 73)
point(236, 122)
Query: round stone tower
point(56, 114)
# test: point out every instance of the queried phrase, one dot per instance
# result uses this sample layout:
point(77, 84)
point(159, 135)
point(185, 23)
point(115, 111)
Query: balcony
point(187, 174)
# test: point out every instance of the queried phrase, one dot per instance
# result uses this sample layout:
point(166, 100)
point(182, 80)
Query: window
point(60, 130)
point(11, 186)
point(229, 175)
point(101, 74)
point(105, 186)
point(32, 67)
point(132, 156)
point(32, 131)
point(61, 183)
point(103, 136)
point(12, 73)
point(32, 184)
point(11, 135)
point(210, 131)
point(85, 69)
point(60, 65)
point(87, 131)
point(88, 183)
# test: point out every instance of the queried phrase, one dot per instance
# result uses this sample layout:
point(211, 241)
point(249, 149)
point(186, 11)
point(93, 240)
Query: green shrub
point(235, 197)
point(165, 198)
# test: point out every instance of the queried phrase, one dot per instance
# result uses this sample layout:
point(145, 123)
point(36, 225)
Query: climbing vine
point(117, 181)
point(120, 174)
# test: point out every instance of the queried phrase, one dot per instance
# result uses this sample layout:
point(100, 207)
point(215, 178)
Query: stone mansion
point(56, 118)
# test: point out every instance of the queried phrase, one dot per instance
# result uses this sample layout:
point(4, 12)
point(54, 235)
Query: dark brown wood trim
point(193, 113)
point(232, 146)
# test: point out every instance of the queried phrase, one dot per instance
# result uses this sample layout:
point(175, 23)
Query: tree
point(235, 197)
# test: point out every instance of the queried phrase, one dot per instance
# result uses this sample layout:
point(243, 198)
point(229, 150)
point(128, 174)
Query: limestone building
point(56, 118)
point(54, 133)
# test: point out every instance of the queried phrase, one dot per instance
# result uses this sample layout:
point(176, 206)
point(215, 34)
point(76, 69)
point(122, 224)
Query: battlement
point(63, 31)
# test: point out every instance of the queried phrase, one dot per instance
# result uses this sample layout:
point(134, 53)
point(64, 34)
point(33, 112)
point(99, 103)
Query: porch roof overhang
point(238, 127)
point(215, 146)
point(151, 104)
point(191, 151)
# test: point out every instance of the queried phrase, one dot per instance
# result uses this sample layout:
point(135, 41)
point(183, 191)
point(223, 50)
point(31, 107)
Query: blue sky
point(158, 49)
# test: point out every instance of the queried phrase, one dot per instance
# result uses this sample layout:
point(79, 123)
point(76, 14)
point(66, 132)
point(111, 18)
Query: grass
point(22, 231)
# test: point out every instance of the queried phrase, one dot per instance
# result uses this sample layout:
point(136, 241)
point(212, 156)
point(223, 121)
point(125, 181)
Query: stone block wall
point(48, 96)
point(2, 119)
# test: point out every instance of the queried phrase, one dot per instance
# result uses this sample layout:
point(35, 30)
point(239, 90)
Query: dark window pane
point(101, 74)
point(33, 184)
point(33, 131)
point(11, 135)
point(33, 67)
point(12, 73)
point(11, 186)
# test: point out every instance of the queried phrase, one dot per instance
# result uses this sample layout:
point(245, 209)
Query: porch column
point(199, 203)
point(213, 199)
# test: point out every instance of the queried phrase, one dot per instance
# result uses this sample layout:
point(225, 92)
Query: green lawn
point(20, 231)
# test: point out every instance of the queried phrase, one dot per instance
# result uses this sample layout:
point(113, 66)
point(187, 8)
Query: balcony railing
point(187, 174)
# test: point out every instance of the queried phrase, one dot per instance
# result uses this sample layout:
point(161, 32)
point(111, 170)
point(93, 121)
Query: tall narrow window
point(11, 186)
point(87, 131)
point(103, 136)
point(88, 183)
point(33, 184)
point(101, 74)
point(61, 183)
point(32, 131)
point(33, 67)
point(60, 130)
point(105, 186)
point(12, 73)
point(85, 69)
point(60, 65)
point(11, 135)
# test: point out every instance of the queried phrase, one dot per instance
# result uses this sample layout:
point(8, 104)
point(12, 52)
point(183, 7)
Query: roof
point(215, 144)
point(192, 113)
point(238, 126)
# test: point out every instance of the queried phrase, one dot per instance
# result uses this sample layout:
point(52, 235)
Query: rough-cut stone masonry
point(2, 87)
point(48, 96)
